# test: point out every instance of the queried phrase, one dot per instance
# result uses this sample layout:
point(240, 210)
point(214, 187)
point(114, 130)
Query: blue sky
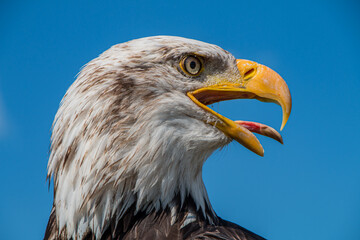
point(307, 188)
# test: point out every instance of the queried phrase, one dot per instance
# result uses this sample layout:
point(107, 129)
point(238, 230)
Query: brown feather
point(157, 225)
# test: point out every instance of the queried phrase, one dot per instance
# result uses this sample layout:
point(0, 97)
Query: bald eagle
point(133, 131)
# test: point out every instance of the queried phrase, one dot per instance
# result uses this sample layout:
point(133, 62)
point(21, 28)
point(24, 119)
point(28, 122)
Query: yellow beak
point(255, 81)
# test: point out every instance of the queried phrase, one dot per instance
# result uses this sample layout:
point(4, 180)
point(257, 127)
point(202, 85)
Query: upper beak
point(267, 86)
point(255, 81)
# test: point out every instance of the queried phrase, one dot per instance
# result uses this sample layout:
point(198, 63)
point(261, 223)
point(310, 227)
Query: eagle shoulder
point(180, 222)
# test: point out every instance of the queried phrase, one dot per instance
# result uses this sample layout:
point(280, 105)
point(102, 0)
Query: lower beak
point(255, 81)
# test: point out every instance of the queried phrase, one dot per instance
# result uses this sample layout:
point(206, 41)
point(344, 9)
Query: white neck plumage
point(146, 164)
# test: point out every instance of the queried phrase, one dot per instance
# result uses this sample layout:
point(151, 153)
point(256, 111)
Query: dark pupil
point(193, 65)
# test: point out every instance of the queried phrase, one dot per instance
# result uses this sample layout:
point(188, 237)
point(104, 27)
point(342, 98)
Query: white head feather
point(126, 133)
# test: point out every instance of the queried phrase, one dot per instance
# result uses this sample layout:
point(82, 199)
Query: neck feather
point(105, 173)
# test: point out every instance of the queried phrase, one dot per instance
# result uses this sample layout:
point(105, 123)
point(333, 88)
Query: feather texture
point(160, 225)
point(128, 146)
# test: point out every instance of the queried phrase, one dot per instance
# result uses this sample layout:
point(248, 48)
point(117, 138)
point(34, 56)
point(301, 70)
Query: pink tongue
point(261, 129)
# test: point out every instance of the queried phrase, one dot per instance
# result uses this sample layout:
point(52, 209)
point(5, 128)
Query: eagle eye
point(191, 65)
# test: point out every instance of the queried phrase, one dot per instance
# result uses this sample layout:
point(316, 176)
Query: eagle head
point(134, 129)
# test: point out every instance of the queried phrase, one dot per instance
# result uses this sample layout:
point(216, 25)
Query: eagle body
point(129, 141)
point(170, 223)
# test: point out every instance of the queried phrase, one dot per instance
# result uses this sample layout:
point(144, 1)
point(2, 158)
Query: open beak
point(255, 81)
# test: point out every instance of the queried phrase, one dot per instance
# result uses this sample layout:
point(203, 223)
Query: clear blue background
point(308, 188)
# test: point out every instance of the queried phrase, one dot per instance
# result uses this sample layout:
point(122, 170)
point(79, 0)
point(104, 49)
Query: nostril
point(249, 73)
